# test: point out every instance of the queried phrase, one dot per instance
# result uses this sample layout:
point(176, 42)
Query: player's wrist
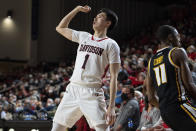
point(78, 8)
point(111, 107)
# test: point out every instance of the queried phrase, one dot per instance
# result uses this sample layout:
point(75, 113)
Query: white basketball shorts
point(78, 101)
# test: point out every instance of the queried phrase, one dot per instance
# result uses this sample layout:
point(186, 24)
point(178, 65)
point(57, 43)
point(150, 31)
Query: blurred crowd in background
point(33, 93)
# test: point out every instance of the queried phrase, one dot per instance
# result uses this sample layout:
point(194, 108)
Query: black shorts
point(180, 118)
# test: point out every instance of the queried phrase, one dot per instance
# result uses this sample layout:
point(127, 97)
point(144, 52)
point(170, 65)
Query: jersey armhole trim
point(170, 59)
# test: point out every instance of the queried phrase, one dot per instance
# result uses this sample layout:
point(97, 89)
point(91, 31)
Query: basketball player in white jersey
point(84, 95)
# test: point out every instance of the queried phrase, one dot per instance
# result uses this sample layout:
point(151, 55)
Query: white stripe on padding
point(190, 109)
point(181, 86)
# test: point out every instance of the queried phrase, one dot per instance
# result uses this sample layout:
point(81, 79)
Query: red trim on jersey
point(92, 37)
point(98, 40)
point(106, 69)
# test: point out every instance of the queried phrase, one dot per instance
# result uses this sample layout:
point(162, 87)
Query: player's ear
point(108, 23)
point(170, 37)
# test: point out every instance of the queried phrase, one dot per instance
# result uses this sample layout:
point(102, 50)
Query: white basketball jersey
point(93, 57)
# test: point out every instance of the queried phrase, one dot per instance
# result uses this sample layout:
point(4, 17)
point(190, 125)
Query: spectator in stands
point(139, 97)
point(19, 106)
point(191, 51)
point(138, 80)
point(149, 117)
point(192, 72)
point(118, 99)
point(6, 113)
point(2, 113)
point(50, 105)
point(129, 110)
point(57, 101)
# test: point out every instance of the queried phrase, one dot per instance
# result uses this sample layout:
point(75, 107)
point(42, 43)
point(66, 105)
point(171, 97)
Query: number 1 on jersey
point(161, 79)
point(85, 61)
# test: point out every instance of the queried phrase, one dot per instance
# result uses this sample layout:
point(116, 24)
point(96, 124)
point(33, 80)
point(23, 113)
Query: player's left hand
point(110, 116)
point(84, 9)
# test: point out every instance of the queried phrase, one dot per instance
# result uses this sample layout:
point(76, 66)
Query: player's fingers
point(106, 118)
point(109, 119)
point(112, 120)
point(87, 8)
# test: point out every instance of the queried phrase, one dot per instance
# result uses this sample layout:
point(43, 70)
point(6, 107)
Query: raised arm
point(110, 115)
point(63, 29)
point(180, 58)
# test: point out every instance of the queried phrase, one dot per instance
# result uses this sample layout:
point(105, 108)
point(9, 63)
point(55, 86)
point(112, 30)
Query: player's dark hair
point(111, 16)
point(164, 31)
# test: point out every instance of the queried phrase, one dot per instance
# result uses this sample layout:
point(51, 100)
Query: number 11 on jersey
point(85, 61)
point(161, 79)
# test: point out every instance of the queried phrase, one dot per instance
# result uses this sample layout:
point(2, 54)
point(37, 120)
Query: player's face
point(100, 22)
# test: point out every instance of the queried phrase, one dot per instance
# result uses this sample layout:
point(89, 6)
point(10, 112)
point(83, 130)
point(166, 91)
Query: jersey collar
point(99, 40)
point(162, 48)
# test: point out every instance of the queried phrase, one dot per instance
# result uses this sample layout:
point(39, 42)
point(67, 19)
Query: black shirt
point(166, 79)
